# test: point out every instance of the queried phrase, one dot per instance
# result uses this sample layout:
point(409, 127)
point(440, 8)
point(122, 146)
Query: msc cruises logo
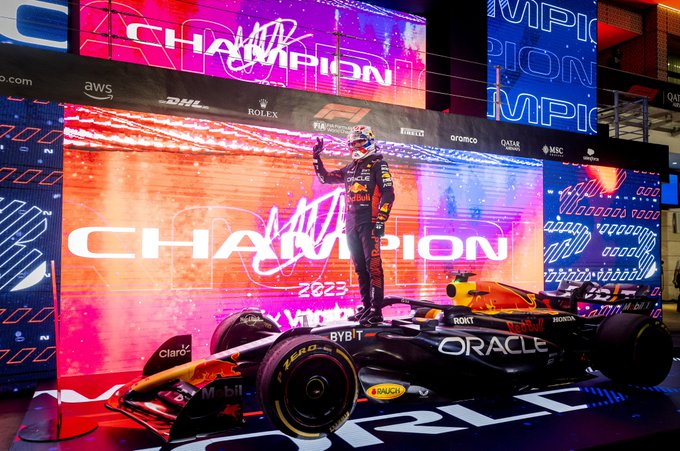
point(553, 151)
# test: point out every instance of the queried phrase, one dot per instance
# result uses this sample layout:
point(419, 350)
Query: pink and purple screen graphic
point(170, 224)
point(346, 48)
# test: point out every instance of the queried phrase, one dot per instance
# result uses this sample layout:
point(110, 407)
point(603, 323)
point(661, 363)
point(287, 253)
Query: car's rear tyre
point(633, 349)
point(241, 328)
point(307, 386)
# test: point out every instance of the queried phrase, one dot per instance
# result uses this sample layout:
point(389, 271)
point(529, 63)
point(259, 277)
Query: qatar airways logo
point(269, 44)
point(314, 231)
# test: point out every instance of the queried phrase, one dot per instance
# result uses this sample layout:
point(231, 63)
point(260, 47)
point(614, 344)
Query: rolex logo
point(263, 103)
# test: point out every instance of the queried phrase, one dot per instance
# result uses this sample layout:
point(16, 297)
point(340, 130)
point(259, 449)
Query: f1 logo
point(36, 23)
point(332, 111)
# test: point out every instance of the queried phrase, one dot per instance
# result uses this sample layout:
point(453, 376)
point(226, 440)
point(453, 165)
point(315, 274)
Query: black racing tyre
point(307, 386)
point(633, 349)
point(241, 328)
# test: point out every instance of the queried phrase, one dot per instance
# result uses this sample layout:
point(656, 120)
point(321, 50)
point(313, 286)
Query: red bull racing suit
point(369, 196)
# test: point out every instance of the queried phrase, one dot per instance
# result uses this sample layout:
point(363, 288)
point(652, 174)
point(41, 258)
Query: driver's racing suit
point(369, 196)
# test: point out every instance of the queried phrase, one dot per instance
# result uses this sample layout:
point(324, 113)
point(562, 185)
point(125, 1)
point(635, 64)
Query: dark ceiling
point(608, 36)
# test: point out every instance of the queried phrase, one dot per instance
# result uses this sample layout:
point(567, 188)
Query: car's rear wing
point(600, 300)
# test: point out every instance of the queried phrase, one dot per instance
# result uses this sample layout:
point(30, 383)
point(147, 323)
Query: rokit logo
point(262, 111)
point(188, 103)
point(511, 145)
point(411, 132)
point(590, 156)
point(553, 151)
point(98, 91)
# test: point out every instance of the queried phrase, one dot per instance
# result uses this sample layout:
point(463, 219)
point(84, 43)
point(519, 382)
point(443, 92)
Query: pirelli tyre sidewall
point(307, 386)
point(633, 349)
point(240, 328)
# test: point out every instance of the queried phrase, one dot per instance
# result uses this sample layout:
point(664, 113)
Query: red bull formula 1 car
point(491, 337)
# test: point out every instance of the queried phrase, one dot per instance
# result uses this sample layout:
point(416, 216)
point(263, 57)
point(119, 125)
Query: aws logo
point(98, 91)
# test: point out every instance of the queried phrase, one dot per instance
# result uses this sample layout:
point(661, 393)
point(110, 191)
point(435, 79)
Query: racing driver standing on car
point(369, 196)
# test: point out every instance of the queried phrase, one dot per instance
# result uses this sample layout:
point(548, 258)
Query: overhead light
point(668, 7)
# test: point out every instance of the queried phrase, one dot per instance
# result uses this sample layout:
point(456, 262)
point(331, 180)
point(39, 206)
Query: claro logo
point(289, 245)
point(171, 353)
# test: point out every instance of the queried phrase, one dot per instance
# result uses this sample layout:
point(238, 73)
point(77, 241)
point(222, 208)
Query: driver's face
point(357, 144)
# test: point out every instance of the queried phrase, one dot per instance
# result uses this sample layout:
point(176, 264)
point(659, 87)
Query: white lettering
point(293, 245)
point(512, 344)
point(268, 44)
point(151, 243)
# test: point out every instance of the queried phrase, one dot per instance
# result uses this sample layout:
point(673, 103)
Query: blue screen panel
point(31, 148)
point(546, 54)
point(669, 191)
point(42, 24)
point(601, 224)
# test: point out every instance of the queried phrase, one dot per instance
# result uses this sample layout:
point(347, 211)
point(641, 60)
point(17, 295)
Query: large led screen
point(172, 223)
point(347, 48)
point(601, 224)
point(546, 56)
point(31, 136)
point(35, 23)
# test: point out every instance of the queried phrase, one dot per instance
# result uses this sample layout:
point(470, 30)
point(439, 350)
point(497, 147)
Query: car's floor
point(592, 414)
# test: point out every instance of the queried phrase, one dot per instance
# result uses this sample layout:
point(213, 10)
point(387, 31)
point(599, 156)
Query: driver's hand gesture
point(318, 147)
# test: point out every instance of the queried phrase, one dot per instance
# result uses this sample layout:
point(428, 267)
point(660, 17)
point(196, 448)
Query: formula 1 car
point(492, 337)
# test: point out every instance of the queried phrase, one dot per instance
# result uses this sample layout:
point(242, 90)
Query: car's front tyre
point(307, 386)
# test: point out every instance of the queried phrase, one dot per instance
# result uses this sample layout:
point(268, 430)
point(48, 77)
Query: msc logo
point(554, 151)
point(332, 111)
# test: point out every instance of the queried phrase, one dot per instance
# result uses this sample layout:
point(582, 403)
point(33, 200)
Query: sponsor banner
point(102, 83)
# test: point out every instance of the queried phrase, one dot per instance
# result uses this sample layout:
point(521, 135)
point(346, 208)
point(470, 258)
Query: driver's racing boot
point(361, 311)
point(371, 316)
